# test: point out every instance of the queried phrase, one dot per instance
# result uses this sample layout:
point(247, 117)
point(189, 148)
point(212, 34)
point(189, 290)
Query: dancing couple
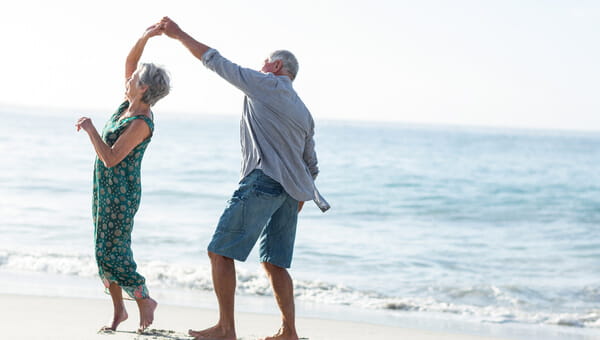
point(279, 167)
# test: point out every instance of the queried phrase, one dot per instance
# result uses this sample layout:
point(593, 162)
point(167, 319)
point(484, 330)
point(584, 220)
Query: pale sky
point(520, 63)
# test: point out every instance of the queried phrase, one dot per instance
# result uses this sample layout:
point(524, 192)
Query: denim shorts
point(259, 209)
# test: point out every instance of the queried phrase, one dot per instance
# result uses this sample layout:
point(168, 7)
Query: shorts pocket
point(232, 220)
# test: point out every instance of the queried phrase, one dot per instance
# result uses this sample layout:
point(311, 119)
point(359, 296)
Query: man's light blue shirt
point(276, 129)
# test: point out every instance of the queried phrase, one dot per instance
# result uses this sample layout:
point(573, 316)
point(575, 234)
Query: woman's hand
point(133, 58)
point(84, 123)
point(154, 30)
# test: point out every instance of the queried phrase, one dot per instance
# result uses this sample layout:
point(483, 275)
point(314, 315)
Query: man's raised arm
point(172, 30)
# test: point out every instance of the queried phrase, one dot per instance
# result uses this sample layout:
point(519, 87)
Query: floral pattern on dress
point(116, 199)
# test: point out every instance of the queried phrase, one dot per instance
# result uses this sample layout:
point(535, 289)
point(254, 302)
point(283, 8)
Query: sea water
point(461, 227)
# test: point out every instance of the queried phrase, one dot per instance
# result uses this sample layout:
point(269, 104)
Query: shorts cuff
point(282, 264)
point(213, 249)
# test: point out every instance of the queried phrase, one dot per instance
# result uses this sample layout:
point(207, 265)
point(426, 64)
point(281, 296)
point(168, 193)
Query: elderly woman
point(117, 188)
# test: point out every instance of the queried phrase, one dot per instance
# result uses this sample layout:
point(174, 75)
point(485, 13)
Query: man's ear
point(278, 65)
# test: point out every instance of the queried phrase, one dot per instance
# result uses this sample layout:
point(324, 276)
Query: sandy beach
point(34, 317)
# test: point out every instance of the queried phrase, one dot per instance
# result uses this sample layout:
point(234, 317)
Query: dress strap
point(124, 105)
point(145, 118)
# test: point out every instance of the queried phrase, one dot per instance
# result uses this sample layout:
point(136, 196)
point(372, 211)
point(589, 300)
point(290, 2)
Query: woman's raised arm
point(133, 58)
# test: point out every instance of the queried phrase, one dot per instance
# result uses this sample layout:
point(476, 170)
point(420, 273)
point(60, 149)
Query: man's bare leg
point(120, 313)
point(223, 275)
point(147, 307)
point(283, 289)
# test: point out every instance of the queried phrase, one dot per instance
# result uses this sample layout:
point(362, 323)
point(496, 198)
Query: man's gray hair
point(157, 80)
point(290, 63)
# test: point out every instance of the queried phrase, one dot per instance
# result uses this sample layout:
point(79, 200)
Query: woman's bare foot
point(214, 333)
point(119, 317)
point(147, 307)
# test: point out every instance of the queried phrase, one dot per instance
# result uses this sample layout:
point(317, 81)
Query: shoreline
point(37, 317)
point(180, 309)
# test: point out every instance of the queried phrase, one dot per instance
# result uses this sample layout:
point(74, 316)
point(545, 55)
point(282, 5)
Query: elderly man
point(278, 171)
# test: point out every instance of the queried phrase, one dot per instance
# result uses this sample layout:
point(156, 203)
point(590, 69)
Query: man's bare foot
point(117, 319)
point(147, 307)
point(214, 333)
point(282, 334)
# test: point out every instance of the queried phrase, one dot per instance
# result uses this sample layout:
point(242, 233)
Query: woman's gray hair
point(290, 63)
point(157, 80)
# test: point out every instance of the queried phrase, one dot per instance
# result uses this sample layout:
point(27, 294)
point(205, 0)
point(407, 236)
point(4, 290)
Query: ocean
point(480, 230)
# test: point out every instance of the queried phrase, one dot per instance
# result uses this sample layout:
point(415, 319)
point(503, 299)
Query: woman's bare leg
point(120, 313)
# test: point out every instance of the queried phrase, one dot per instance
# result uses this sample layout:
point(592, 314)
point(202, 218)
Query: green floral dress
point(116, 198)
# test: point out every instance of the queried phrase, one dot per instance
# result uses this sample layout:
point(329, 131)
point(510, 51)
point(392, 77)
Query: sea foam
point(178, 276)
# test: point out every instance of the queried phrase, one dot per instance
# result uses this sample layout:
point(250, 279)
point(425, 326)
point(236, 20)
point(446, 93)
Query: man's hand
point(300, 205)
point(170, 28)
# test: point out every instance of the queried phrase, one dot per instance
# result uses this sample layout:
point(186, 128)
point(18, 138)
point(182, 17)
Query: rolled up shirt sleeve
point(310, 155)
